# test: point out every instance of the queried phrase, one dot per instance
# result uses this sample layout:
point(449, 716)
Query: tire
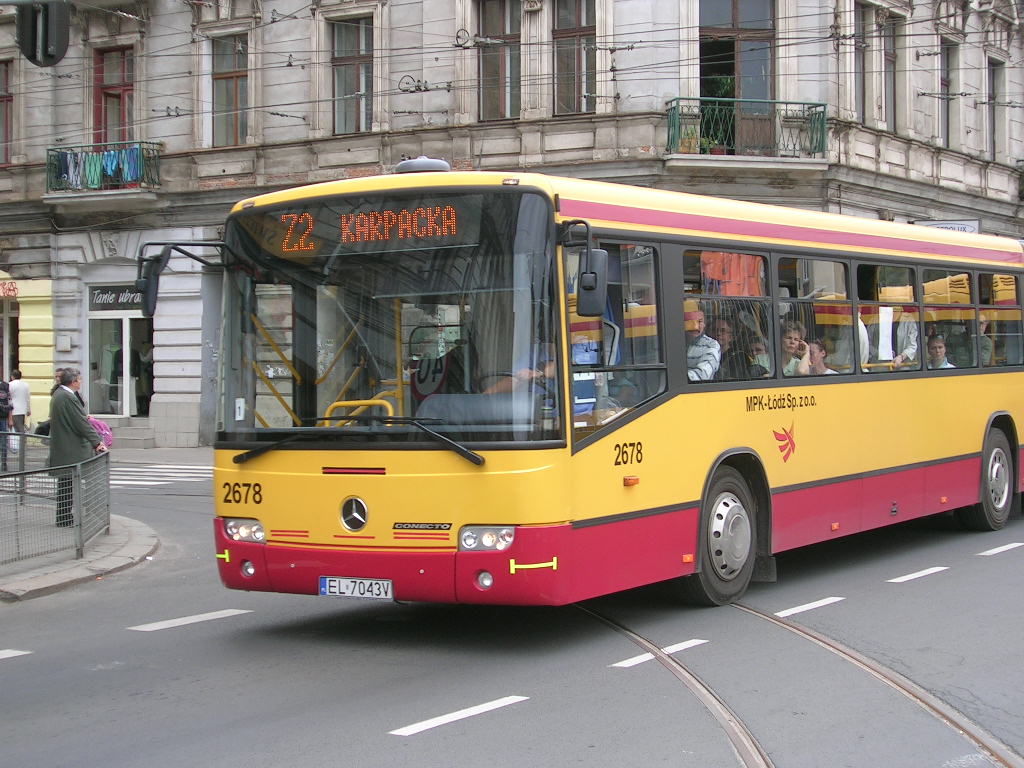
point(727, 542)
point(997, 487)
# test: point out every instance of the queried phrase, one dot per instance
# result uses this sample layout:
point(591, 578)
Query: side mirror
point(148, 281)
point(592, 286)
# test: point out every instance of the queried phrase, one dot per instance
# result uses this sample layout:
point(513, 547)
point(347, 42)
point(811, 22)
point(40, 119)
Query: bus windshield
point(348, 318)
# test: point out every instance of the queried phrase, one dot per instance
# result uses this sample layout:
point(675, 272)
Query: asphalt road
point(160, 666)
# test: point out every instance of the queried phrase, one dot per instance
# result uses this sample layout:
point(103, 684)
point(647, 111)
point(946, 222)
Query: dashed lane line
point(918, 574)
point(452, 717)
point(669, 649)
point(171, 623)
point(1000, 550)
point(809, 606)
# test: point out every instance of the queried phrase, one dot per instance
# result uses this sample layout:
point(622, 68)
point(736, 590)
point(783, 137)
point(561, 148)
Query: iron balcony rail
point(717, 126)
point(94, 167)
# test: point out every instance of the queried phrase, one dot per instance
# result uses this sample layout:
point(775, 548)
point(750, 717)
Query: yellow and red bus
point(513, 388)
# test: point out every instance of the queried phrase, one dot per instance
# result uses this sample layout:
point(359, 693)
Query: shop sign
point(8, 289)
point(109, 297)
point(971, 226)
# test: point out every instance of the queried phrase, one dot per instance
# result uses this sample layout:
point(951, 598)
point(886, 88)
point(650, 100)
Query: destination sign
point(329, 226)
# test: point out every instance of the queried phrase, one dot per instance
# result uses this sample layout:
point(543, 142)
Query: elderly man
point(72, 439)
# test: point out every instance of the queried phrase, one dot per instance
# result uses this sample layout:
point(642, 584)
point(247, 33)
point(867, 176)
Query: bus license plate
point(343, 586)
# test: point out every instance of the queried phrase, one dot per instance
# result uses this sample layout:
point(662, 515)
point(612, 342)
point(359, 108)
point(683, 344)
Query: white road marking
point(156, 625)
point(10, 653)
point(669, 649)
point(808, 606)
point(918, 574)
point(462, 714)
point(1000, 550)
point(157, 474)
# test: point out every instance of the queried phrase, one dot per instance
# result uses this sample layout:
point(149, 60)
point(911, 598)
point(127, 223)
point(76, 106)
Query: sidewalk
point(128, 543)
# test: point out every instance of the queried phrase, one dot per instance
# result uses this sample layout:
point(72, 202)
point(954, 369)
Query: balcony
point(96, 176)
point(747, 127)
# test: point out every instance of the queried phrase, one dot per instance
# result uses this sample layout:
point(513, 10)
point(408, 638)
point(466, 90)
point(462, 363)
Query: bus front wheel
point(727, 542)
point(997, 487)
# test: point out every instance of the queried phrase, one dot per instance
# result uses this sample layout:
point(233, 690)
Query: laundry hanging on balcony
point(80, 169)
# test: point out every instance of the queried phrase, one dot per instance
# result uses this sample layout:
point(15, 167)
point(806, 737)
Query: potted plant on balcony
point(717, 117)
point(689, 140)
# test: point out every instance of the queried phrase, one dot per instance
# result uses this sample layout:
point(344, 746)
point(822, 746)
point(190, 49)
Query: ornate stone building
point(164, 112)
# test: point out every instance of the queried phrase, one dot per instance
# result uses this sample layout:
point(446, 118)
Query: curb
point(128, 543)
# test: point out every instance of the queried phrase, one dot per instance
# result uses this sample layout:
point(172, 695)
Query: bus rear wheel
point(997, 487)
point(727, 542)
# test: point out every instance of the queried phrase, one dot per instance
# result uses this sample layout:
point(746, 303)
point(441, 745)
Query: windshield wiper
point(241, 458)
point(458, 448)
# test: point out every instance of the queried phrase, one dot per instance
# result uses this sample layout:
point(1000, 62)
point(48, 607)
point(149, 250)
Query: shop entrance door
point(120, 375)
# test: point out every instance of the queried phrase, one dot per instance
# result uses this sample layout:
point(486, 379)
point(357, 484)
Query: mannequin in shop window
point(99, 391)
point(142, 371)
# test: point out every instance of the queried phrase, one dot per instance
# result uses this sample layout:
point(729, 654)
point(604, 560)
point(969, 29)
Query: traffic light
point(42, 30)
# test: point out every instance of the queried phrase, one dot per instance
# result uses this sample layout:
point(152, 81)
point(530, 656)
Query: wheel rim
point(998, 479)
point(728, 536)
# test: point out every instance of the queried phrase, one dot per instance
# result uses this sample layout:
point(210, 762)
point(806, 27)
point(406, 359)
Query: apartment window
point(114, 95)
point(996, 87)
point(891, 33)
point(499, 58)
point(230, 90)
point(575, 38)
point(863, 19)
point(6, 104)
point(737, 40)
point(352, 63)
point(948, 53)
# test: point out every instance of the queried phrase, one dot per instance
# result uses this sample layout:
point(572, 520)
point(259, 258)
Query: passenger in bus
point(734, 363)
point(817, 358)
point(761, 363)
point(796, 354)
point(986, 347)
point(703, 354)
point(937, 353)
point(903, 337)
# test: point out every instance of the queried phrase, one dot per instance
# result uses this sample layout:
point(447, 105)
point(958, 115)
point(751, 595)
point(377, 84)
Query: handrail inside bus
point(359, 405)
point(274, 346)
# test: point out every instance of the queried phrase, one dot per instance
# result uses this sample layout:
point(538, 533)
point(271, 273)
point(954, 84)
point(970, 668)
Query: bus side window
point(729, 291)
point(817, 306)
point(605, 353)
point(1000, 340)
point(889, 314)
point(949, 314)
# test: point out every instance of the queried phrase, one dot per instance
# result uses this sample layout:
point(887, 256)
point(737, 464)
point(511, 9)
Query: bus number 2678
point(628, 453)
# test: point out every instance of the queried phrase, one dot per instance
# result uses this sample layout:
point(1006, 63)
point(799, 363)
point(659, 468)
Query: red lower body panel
point(546, 565)
point(818, 513)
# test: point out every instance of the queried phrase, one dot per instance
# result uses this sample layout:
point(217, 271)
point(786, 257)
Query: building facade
point(163, 113)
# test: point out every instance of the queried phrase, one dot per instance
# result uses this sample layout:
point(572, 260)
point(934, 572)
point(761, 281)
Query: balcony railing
point(714, 126)
point(97, 167)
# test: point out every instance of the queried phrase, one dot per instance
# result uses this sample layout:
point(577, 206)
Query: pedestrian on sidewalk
point(5, 422)
point(21, 401)
point(72, 440)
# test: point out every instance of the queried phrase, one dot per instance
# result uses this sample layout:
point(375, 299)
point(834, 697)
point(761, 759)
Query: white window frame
point(322, 81)
point(203, 119)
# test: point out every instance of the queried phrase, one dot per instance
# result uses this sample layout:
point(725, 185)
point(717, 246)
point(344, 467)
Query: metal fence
point(30, 504)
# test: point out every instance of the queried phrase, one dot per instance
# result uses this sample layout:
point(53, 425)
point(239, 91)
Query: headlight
point(245, 530)
point(480, 538)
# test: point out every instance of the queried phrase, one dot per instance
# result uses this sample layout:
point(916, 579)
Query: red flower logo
point(787, 443)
